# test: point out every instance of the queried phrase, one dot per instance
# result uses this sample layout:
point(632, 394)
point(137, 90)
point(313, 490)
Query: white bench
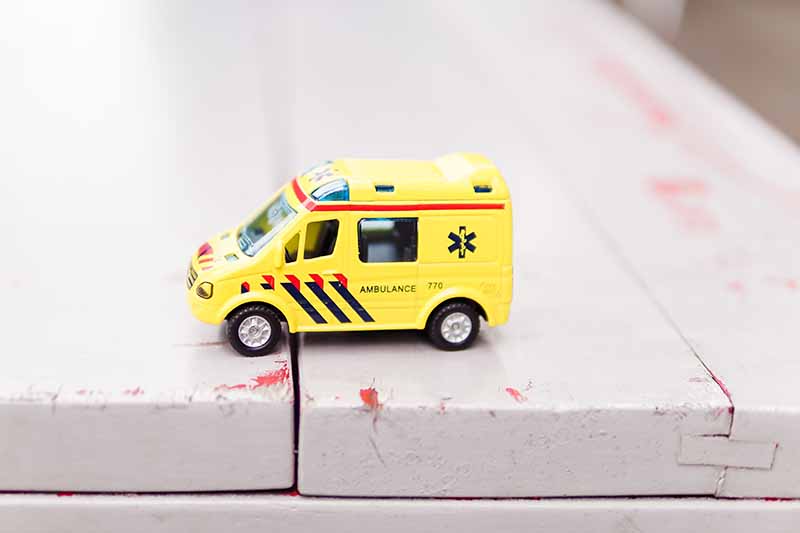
point(651, 347)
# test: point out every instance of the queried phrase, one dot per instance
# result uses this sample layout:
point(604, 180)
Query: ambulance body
point(358, 244)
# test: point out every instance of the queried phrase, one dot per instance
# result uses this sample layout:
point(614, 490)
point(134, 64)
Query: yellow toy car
point(358, 244)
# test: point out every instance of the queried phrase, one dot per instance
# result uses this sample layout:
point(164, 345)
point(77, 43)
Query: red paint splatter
point(625, 80)
point(64, 494)
point(517, 395)
point(664, 187)
point(694, 141)
point(239, 386)
point(718, 412)
point(736, 286)
point(275, 377)
point(369, 397)
point(267, 379)
point(133, 392)
point(685, 199)
point(721, 385)
point(723, 388)
point(293, 493)
point(443, 404)
point(783, 282)
point(709, 150)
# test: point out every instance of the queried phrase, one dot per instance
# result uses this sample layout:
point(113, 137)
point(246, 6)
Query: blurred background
point(750, 47)
point(131, 131)
point(140, 103)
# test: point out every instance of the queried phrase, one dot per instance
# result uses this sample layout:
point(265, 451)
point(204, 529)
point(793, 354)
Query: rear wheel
point(254, 330)
point(454, 326)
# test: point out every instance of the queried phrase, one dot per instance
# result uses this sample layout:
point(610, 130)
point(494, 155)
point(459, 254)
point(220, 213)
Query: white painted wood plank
point(586, 391)
point(114, 162)
point(28, 513)
point(699, 196)
point(137, 136)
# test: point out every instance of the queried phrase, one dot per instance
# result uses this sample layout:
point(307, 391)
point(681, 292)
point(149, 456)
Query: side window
point(334, 191)
point(387, 240)
point(291, 248)
point(320, 238)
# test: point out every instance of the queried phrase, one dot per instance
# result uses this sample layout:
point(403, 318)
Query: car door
point(382, 280)
point(313, 257)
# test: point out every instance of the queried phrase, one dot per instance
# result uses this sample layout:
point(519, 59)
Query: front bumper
point(203, 310)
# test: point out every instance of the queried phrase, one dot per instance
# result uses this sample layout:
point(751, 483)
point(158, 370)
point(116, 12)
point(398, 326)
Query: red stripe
point(307, 202)
point(412, 207)
point(311, 205)
point(342, 279)
point(205, 260)
point(294, 280)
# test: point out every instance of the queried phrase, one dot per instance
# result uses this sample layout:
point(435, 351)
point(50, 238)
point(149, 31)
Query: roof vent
point(384, 188)
point(482, 188)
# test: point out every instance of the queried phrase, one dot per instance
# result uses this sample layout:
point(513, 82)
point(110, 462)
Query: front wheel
point(454, 326)
point(254, 330)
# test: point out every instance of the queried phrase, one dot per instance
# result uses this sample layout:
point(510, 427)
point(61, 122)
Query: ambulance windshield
point(256, 233)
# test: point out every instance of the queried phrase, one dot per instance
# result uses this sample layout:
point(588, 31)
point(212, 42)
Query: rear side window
point(335, 191)
point(320, 238)
point(387, 240)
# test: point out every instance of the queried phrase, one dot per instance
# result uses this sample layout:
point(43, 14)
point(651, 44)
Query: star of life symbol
point(462, 242)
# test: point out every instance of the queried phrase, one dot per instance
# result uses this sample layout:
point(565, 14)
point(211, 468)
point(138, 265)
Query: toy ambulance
point(358, 244)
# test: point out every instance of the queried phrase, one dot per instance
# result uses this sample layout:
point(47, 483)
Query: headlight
point(205, 290)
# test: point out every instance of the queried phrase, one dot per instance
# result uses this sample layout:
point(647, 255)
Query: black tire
point(434, 329)
point(249, 311)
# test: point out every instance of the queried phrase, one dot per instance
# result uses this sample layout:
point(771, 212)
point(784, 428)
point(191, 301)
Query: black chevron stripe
point(325, 299)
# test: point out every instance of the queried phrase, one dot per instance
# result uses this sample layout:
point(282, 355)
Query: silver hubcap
point(254, 331)
point(456, 327)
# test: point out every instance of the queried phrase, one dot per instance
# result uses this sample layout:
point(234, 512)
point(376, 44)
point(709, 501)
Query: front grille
point(191, 277)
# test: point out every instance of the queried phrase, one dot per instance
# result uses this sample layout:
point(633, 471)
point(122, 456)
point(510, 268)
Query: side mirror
point(278, 258)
